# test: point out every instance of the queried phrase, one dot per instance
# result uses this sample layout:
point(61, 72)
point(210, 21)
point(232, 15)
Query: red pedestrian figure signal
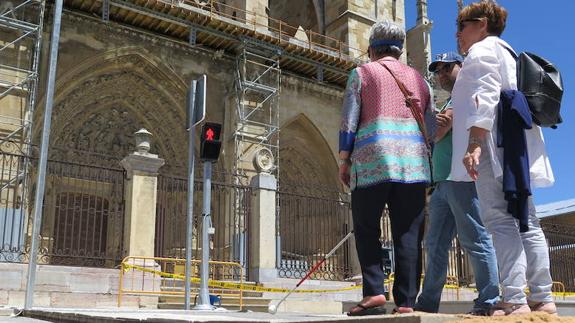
point(210, 143)
point(210, 134)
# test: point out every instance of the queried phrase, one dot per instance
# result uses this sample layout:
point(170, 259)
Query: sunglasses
point(446, 68)
point(461, 25)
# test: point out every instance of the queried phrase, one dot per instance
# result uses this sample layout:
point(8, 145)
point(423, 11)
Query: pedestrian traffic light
point(210, 142)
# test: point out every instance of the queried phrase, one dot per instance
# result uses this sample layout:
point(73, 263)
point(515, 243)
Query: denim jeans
point(454, 209)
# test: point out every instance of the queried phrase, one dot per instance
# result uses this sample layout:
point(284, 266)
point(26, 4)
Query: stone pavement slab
point(120, 315)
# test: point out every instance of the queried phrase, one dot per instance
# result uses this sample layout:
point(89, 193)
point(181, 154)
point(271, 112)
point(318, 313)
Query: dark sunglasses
point(461, 25)
point(446, 68)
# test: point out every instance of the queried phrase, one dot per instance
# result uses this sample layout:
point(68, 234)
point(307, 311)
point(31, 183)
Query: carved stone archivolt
point(102, 102)
point(305, 156)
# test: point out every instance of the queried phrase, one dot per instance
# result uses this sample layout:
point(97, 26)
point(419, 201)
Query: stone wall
point(61, 286)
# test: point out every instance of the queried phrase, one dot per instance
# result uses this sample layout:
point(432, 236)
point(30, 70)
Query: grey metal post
point(190, 215)
point(206, 224)
point(39, 202)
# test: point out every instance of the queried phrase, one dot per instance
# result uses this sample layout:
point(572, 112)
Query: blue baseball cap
point(449, 57)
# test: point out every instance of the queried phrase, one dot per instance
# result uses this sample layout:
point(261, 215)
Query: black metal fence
point(561, 240)
point(230, 215)
point(310, 222)
point(82, 216)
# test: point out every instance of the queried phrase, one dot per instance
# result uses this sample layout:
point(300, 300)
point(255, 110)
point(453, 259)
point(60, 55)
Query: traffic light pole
point(206, 225)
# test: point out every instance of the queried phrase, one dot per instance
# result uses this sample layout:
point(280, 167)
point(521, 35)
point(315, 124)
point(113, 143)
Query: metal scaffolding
point(21, 27)
point(21, 23)
point(258, 77)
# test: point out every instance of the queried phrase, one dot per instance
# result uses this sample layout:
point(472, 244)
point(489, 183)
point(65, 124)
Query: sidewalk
point(115, 315)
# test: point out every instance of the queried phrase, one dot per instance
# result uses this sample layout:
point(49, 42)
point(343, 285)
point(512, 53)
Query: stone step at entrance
point(230, 302)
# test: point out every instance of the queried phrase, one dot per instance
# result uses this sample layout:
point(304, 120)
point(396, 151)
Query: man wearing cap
point(454, 209)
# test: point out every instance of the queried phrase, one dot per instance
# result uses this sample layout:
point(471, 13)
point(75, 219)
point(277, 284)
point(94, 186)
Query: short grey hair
point(387, 30)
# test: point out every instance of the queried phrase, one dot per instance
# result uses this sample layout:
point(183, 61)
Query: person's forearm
point(344, 155)
point(441, 132)
point(477, 135)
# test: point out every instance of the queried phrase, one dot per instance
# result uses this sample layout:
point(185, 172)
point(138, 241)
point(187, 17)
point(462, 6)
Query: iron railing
point(83, 213)
point(310, 222)
point(561, 241)
point(230, 210)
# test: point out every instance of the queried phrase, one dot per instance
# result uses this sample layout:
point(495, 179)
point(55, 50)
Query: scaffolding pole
point(258, 77)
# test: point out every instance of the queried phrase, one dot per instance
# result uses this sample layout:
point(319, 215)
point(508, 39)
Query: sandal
point(503, 309)
point(548, 308)
point(402, 310)
point(374, 310)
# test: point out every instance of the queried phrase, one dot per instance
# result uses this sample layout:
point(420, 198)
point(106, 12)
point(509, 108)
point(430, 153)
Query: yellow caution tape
point(237, 286)
point(254, 288)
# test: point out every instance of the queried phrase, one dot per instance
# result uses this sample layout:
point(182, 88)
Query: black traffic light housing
point(210, 143)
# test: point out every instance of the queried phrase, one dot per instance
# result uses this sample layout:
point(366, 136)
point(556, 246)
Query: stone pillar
point(140, 194)
point(262, 226)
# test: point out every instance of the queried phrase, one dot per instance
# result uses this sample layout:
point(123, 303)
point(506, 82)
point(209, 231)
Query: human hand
point(344, 170)
point(471, 160)
point(444, 119)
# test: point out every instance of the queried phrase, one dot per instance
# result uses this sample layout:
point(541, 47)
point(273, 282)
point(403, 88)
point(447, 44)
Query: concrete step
point(225, 300)
point(253, 304)
point(213, 291)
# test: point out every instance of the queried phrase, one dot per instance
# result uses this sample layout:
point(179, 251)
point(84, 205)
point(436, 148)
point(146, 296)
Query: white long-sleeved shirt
point(488, 69)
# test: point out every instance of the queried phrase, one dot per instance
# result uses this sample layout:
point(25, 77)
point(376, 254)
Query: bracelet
point(475, 141)
point(344, 162)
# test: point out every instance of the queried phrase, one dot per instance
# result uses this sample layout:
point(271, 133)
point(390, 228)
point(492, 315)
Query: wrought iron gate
point(230, 215)
point(82, 216)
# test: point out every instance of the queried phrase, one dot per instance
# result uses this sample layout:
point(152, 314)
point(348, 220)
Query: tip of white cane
point(272, 309)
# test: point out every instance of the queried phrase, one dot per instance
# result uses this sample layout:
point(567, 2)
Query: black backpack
point(542, 86)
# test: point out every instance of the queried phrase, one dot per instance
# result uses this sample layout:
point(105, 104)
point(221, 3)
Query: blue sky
point(541, 27)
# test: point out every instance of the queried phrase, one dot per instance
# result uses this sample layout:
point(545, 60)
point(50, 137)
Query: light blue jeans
point(454, 209)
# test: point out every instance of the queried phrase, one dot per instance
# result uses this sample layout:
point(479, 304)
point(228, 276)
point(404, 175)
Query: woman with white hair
point(383, 152)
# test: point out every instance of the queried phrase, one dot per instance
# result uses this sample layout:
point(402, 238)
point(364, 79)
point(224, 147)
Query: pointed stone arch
point(305, 155)
point(100, 103)
point(297, 13)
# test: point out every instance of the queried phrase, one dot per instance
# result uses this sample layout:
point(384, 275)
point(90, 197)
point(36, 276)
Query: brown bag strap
point(413, 106)
point(417, 114)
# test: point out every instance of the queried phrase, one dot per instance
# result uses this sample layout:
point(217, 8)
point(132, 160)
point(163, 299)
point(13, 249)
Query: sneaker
point(548, 308)
point(478, 311)
point(502, 309)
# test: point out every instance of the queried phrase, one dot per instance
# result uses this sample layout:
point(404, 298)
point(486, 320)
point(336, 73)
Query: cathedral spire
point(422, 12)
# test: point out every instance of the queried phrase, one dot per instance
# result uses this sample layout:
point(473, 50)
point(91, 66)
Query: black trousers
point(406, 203)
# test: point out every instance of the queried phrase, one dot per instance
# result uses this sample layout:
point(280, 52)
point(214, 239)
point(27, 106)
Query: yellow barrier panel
point(163, 276)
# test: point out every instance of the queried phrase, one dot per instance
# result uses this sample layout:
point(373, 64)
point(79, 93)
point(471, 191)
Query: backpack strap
point(511, 52)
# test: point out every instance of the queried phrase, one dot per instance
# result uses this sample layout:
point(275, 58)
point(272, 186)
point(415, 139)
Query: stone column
point(262, 226)
point(140, 194)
